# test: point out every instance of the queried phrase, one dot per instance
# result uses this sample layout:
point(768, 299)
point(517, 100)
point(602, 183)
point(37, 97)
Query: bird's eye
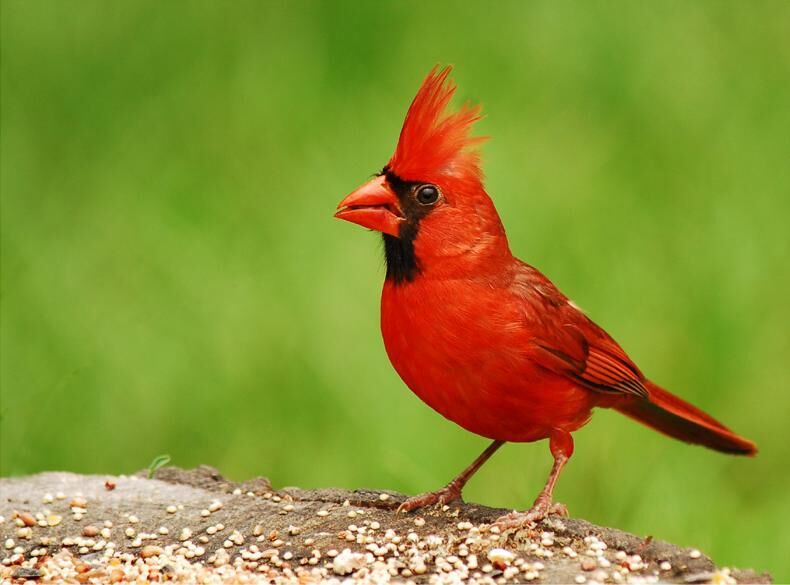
point(427, 194)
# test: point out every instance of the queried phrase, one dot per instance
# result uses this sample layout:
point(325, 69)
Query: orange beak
point(374, 206)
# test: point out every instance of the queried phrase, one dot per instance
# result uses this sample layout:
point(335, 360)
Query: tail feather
point(675, 417)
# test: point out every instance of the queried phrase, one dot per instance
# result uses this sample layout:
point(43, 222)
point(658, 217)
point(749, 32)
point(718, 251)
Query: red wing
point(568, 342)
point(599, 364)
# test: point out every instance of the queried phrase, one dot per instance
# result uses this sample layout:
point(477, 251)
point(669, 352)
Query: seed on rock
point(322, 513)
point(171, 509)
point(54, 519)
point(186, 534)
point(27, 519)
point(347, 562)
point(580, 579)
point(695, 554)
point(384, 497)
point(501, 557)
point(588, 564)
point(134, 519)
point(419, 522)
point(665, 566)
point(24, 532)
point(151, 551)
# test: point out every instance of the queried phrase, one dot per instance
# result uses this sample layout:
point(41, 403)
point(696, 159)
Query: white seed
point(171, 509)
point(501, 556)
point(695, 554)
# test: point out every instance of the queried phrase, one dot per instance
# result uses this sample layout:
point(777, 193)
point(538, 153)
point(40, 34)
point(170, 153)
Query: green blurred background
point(173, 280)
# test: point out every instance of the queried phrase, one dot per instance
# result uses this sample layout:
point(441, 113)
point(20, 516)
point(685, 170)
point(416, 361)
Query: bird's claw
point(542, 507)
point(443, 496)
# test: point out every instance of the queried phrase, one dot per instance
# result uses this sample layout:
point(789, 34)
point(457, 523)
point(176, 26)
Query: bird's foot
point(447, 494)
point(542, 507)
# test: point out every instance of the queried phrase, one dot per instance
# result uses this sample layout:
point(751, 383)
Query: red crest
point(434, 142)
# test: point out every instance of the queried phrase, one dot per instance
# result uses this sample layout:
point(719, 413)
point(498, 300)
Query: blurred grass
point(172, 279)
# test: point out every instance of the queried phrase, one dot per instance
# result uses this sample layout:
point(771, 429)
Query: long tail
point(677, 418)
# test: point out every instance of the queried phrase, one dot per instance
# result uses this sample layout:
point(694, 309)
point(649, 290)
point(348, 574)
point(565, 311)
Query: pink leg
point(452, 491)
point(561, 445)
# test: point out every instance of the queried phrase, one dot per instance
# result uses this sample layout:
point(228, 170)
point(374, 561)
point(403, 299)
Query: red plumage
point(481, 337)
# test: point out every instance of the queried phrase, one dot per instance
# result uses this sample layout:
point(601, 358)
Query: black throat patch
point(402, 263)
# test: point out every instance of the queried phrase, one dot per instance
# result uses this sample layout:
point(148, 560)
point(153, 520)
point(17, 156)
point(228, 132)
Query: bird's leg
point(452, 491)
point(561, 445)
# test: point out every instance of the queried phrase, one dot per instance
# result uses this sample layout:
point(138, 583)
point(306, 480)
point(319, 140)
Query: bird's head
point(429, 200)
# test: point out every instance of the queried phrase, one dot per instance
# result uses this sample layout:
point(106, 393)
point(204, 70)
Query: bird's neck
point(408, 257)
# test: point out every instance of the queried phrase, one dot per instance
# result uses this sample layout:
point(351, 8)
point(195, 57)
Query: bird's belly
point(473, 367)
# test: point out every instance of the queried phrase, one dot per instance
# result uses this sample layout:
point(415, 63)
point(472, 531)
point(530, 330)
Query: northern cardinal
point(481, 337)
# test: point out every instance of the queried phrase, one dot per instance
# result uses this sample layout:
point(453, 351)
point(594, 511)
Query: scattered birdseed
point(322, 513)
point(171, 509)
point(419, 521)
point(90, 531)
point(500, 556)
point(588, 564)
point(580, 579)
point(205, 513)
point(665, 566)
point(384, 497)
point(695, 554)
point(26, 519)
point(186, 534)
point(133, 519)
point(25, 532)
point(347, 562)
point(53, 519)
point(151, 551)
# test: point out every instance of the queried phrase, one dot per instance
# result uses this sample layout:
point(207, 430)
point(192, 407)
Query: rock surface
point(194, 525)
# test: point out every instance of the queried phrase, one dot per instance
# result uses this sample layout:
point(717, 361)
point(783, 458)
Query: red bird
point(481, 337)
